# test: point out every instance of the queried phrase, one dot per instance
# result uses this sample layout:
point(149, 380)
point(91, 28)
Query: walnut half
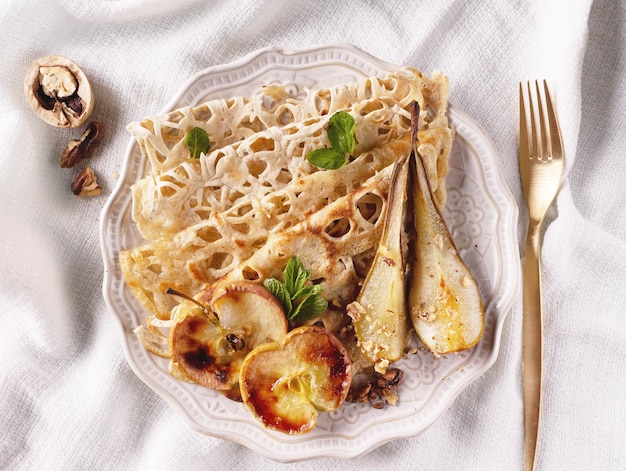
point(59, 92)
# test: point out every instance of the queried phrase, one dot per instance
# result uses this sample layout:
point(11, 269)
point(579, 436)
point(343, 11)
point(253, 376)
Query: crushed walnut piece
point(426, 313)
point(381, 365)
point(380, 389)
point(355, 310)
point(83, 148)
point(86, 183)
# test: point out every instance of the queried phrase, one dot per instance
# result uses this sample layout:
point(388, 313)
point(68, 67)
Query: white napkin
point(68, 399)
point(106, 11)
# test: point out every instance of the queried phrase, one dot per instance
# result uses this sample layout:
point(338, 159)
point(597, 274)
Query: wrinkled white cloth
point(68, 399)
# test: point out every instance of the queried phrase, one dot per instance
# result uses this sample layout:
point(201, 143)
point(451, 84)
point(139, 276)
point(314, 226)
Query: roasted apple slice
point(209, 344)
point(285, 385)
point(444, 300)
point(380, 311)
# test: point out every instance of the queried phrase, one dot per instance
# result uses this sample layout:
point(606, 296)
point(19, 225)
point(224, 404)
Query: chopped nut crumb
point(438, 240)
point(361, 394)
point(381, 365)
point(452, 313)
point(355, 310)
point(390, 397)
point(466, 282)
point(427, 314)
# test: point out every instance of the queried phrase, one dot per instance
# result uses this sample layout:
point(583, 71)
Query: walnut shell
point(59, 92)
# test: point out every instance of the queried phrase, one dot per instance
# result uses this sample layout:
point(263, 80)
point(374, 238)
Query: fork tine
point(523, 129)
point(555, 134)
point(533, 125)
point(543, 131)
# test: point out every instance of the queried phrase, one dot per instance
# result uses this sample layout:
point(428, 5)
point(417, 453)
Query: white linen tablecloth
point(68, 399)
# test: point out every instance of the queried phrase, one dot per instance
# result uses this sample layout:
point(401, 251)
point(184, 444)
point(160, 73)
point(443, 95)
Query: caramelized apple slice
point(209, 344)
point(379, 313)
point(285, 385)
point(444, 299)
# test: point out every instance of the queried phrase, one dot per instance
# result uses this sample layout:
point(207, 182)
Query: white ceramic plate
point(482, 218)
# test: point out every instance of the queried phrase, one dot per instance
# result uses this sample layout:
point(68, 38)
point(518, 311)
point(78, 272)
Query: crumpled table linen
point(69, 400)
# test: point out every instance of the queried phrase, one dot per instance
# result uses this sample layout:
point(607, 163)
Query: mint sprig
point(300, 301)
point(341, 127)
point(340, 133)
point(197, 141)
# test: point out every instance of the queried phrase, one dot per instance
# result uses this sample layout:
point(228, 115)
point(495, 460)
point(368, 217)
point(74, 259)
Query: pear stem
point(415, 115)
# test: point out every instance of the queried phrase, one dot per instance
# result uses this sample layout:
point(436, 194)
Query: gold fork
point(541, 170)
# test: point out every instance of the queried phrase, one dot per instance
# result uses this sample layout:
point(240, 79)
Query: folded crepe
point(241, 210)
point(161, 137)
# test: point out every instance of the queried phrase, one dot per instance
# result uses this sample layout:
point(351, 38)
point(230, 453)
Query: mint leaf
point(307, 291)
point(327, 158)
point(295, 275)
point(300, 301)
point(340, 132)
point(197, 141)
point(309, 308)
point(291, 272)
point(279, 290)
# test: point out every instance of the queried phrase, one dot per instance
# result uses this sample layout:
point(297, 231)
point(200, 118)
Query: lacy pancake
point(242, 208)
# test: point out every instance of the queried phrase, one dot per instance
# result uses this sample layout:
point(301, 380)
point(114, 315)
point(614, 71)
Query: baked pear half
point(287, 384)
point(379, 313)
point(212, 336)
point(445, 304)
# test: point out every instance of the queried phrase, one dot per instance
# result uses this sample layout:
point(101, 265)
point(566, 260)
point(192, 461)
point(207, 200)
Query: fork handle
point(532, 343)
